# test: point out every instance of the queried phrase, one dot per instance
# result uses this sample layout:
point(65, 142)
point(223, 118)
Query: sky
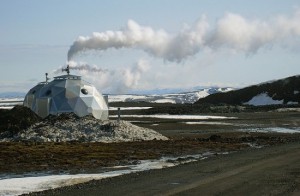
point(137, 46)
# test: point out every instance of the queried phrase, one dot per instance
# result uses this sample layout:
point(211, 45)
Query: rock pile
point(69, 127)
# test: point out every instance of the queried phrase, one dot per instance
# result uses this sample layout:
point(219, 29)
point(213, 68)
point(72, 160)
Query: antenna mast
point(47, 77)
point(67, 69)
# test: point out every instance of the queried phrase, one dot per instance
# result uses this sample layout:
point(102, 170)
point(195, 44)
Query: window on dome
point(84, 91)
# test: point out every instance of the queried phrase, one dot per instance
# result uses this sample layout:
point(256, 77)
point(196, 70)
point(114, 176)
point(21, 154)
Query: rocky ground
point(68, 127)
point(25, 152)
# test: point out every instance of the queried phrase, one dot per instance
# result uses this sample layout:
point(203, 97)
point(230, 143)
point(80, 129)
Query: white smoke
point(235, 32)
point(133, 75)
point(158, 43)
point(232, 31)
point(111, 81)
point(80, 66)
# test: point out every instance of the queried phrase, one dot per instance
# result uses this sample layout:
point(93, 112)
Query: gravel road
point(269, 171)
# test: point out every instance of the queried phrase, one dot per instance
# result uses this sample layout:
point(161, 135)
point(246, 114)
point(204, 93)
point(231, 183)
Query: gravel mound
point(69, 127)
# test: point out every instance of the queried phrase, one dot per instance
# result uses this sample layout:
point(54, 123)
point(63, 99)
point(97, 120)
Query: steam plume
point(112, 81)
point(232, 31)
point(81, 66)
point(158, 43)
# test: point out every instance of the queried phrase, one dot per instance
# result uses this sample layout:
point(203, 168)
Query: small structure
point(66, 94)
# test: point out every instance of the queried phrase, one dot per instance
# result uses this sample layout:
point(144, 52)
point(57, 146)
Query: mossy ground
point(74, 157)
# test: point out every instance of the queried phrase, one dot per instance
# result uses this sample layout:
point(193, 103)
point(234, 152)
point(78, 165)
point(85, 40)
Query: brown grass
point(20, 157)
point(73, 156)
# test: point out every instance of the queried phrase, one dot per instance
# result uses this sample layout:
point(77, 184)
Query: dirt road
point(270, 171)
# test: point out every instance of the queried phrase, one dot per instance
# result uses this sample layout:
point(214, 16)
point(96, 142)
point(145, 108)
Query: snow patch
point(164, 101)
point(128, 108)
point(274, 129)
point(288, 110)
point(207, 123)
point(263, 99)
point(18, 186)
point(292, 103)
point(124, 98)
point(6, 107)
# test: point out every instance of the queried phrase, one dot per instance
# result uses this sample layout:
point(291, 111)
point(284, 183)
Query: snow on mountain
point(263, 99)
point(181, 98)
point(126, 98)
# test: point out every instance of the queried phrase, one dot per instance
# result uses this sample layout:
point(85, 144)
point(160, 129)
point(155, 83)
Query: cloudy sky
point(132, 45)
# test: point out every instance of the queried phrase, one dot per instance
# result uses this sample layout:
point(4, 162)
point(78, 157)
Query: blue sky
point(35, 38)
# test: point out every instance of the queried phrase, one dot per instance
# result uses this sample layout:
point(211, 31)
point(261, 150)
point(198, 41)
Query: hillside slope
point(284, 91)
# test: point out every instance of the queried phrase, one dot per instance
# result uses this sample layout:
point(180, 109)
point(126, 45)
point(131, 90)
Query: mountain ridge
point(282, 91)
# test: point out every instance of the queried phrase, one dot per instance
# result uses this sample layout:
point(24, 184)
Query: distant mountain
point(284, 91)
point(12, 95)
point(163, 91)
point(181, 98)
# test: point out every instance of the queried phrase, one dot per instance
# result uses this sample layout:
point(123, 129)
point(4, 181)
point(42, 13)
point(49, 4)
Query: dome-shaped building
point(66, 94)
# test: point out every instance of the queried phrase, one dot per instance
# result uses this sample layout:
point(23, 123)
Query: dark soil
point(15, 120)
point(83, 157)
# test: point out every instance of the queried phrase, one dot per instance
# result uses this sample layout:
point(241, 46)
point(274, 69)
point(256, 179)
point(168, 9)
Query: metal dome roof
point(65, 94)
